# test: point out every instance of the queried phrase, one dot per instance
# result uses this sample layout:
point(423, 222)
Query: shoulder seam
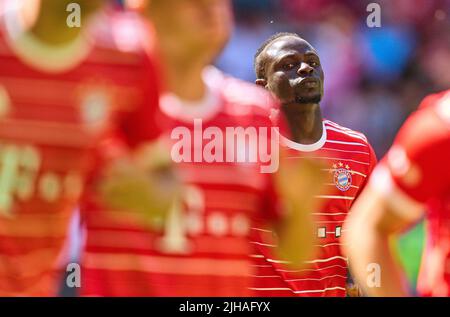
point(349, 132)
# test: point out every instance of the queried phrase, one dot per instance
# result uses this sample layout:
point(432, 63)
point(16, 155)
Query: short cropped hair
point(259, 66)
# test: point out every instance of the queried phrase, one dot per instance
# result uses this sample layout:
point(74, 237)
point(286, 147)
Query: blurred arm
point(297, 185)
point(140, 181)
point(381, 212)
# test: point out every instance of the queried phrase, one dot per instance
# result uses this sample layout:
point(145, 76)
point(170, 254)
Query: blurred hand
point(298, 181)
point(353, 290)
point(144, 183)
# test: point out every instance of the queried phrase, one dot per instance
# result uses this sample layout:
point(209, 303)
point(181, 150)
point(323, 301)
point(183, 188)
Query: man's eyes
point(289, 66)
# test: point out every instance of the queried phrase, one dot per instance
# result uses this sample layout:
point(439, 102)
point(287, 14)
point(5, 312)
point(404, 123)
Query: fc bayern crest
point(342, 176)
point(95, 105)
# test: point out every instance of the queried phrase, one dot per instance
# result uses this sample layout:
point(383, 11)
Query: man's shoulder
point(352, 144)
point(345, 134)
point(428, 128)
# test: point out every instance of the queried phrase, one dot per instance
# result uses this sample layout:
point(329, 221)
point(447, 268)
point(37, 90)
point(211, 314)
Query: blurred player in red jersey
point(61, 91)
point(411, 182)
point(290, 68)
point(203, 247)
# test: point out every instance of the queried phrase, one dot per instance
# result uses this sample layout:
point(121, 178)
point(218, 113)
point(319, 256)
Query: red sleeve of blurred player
point(272, 204)
point(130, 39)
point(373, 159)
point(418, 160)
point(110, 148)
point(279, 125)
point(139, 125)
point(372, 163)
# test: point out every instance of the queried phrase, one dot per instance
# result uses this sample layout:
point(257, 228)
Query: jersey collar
point(35, 53)
point(205, 109)
point(306, 147)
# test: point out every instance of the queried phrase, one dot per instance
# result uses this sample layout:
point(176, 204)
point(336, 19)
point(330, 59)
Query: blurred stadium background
point(374, 77)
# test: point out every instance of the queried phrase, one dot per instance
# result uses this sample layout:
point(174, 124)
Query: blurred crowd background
point(374, 77)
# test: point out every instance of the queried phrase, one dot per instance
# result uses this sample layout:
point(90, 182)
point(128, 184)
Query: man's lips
point(308, 83)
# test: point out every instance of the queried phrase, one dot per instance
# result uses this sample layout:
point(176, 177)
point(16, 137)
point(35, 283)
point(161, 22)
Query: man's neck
point(185, 80)
point(305, 122)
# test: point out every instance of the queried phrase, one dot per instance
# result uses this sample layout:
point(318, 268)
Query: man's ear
point(261, 82)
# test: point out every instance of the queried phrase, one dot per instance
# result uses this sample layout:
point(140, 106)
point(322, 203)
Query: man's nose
point(305, 69)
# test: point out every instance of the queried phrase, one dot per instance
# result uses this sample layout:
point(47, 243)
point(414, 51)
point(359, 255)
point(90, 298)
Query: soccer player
point(410, 183)
point(203, 246)
point(61, 90)
point(290, 68)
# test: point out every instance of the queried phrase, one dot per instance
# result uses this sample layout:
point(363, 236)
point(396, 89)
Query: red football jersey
point(348, 159)
point(417, 164)
point(204, 247)
point(55, 105)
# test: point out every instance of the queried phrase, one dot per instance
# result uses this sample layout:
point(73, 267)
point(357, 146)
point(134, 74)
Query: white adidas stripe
point(300, 279)
point(348, 143)
point(311, 270)
point(328, 158)
point(334, 124)
point(327, 259)
point(327, 245)
point(341, 128)
point(320, 290)
point(310, 262)
point(347, 151)
point(263, 230)
point(270, 289)
point(297, 292)
point(348, 133)
point(317, 245)
point(278, 261)
point(316, 279)
point(264, 244)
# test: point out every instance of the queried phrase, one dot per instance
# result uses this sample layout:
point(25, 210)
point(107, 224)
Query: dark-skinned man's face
point(293, 71)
